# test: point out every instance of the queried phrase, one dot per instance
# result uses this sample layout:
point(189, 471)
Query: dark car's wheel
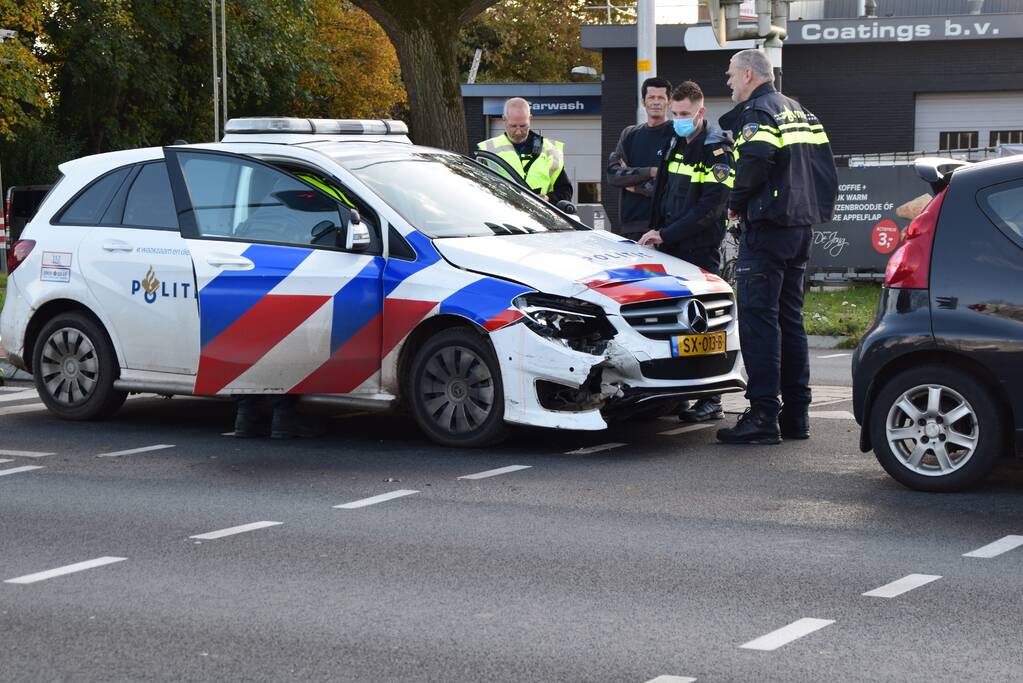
point(455, 390)
point(74, 368)
point(935, 428)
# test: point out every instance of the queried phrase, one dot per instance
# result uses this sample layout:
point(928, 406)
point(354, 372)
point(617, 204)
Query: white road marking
point(9, 390)
point(23, 395)
point(787, 634)
point(834, 355)
point(16, 470)
point(30, 408)
point(24, 454)
point(6, 460)
point(816, 404)
point(132, 451)
point(70, 569)
point(671, 679)
point(376, 499)
point(595, 449)
point(683, 430)
point(903, 585)
point(235, 530)
point(494, 473)
point(1002, 545)
point(833, 414)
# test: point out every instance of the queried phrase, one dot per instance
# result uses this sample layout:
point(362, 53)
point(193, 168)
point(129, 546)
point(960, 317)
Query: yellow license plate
point(698, 344)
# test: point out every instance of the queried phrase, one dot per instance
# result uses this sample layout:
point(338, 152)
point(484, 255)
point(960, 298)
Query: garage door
point(964, 120)
point(581, 135)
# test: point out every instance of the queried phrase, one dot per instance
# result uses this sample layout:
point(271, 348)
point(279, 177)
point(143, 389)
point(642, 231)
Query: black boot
point(288, 424)
point(794, 422)
point(248, 423)
point(704, 410)
point(754, 427)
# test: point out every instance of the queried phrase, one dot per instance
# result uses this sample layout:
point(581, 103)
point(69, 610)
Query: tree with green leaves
point(22, 74)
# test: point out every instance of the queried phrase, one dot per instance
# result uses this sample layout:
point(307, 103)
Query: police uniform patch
point(718, 152)
point(749, 130)
point(721, 172)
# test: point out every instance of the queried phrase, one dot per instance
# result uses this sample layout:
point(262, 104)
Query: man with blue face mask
point(688, 219)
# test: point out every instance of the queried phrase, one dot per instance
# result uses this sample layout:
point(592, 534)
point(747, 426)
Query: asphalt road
point(665, 555)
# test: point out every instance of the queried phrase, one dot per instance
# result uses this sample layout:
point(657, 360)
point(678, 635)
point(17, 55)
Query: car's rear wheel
point(455, 390)
point(935, 428)
point(74, 368)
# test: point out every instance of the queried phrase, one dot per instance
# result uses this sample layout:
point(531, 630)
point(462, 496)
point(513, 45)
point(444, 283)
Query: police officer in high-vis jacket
point(688, 218)
point(785, 183)
point(538, 160)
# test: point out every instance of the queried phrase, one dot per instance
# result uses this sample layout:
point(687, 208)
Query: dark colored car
point(19, 207)
point(938, 379)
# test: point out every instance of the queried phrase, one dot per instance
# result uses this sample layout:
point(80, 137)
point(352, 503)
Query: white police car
point(336, 260)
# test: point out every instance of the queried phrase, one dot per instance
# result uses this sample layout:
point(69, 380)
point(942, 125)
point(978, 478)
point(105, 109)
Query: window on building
point(589, 193)
point(1006, 137)
point(963, 139)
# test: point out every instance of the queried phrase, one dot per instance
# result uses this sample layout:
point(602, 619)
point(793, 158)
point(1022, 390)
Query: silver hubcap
point(932, 430)
point(69, 367)
point(457, 390)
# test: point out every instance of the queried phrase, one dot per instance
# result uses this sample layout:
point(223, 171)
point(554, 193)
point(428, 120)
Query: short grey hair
point(517, 103)
point(757, 62)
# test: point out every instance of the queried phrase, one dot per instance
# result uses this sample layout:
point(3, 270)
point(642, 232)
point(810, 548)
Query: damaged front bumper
point(548, 384)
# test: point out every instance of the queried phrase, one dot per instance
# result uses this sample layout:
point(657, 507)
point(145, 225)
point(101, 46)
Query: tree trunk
point(430, 73)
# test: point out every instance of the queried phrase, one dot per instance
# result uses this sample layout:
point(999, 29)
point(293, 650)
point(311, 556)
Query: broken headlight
point(577, 324)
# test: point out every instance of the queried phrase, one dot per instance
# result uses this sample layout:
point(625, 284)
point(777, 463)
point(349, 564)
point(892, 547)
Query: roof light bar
point(264, 125)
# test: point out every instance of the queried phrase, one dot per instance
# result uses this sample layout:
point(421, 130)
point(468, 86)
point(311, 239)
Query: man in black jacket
point(634, 163)
point(688, 219)
point(785, 183)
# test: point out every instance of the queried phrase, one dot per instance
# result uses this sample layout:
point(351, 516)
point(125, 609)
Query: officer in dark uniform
point(688, 216)
point(785, 182)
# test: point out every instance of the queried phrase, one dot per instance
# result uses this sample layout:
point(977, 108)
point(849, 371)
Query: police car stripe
point(250, 337)
point(349, 366)
point(668, 285)
point(230, 294)
point(356, 304)
point(398, 271)
point(483, 299)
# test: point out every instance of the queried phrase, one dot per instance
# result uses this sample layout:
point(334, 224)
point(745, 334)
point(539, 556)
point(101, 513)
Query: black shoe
point(704, 410)
point(794, 422)
point(291, 426)
point(248, 422)
point(753, 427)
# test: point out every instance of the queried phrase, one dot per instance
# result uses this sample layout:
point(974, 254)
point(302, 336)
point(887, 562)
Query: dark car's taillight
point(18, 253)
point(910, 265)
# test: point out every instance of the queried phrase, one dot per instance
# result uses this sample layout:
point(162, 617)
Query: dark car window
point(150, 203)
point(89, 205)
point(1003, 204)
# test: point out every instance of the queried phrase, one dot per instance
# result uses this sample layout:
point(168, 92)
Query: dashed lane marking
point(23, 395)
point(832, 414)
point(684, 430)
point(18, 470)
point(69, 569)
point(787, 634)
point(376, 499)
point(494, 473)
point(903, 585)
point(1002, 545)
point(24, 454)
point(834, 355)
point(12, 390)
point(133, 451)
point(14, 410)
point(671, 679)
point(212, 535)
point(595, 449)
point(3, 460)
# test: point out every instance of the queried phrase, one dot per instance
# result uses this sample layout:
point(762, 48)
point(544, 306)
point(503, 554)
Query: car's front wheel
point(74, 368)
point(455, 392)
point(935, 428)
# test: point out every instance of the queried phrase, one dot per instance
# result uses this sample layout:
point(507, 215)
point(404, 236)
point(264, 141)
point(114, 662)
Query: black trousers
point(769, 278)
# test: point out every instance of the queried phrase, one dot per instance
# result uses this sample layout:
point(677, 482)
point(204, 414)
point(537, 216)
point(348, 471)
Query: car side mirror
point(567, 206)
point(357, 237)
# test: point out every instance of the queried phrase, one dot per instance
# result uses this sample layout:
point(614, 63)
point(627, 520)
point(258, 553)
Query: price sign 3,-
point(885, 236)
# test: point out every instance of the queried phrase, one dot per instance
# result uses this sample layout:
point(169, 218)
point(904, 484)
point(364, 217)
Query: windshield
point(445, 195)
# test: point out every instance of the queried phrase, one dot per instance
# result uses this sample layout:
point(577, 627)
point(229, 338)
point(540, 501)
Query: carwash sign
point(905, 29)
point(560, 105)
